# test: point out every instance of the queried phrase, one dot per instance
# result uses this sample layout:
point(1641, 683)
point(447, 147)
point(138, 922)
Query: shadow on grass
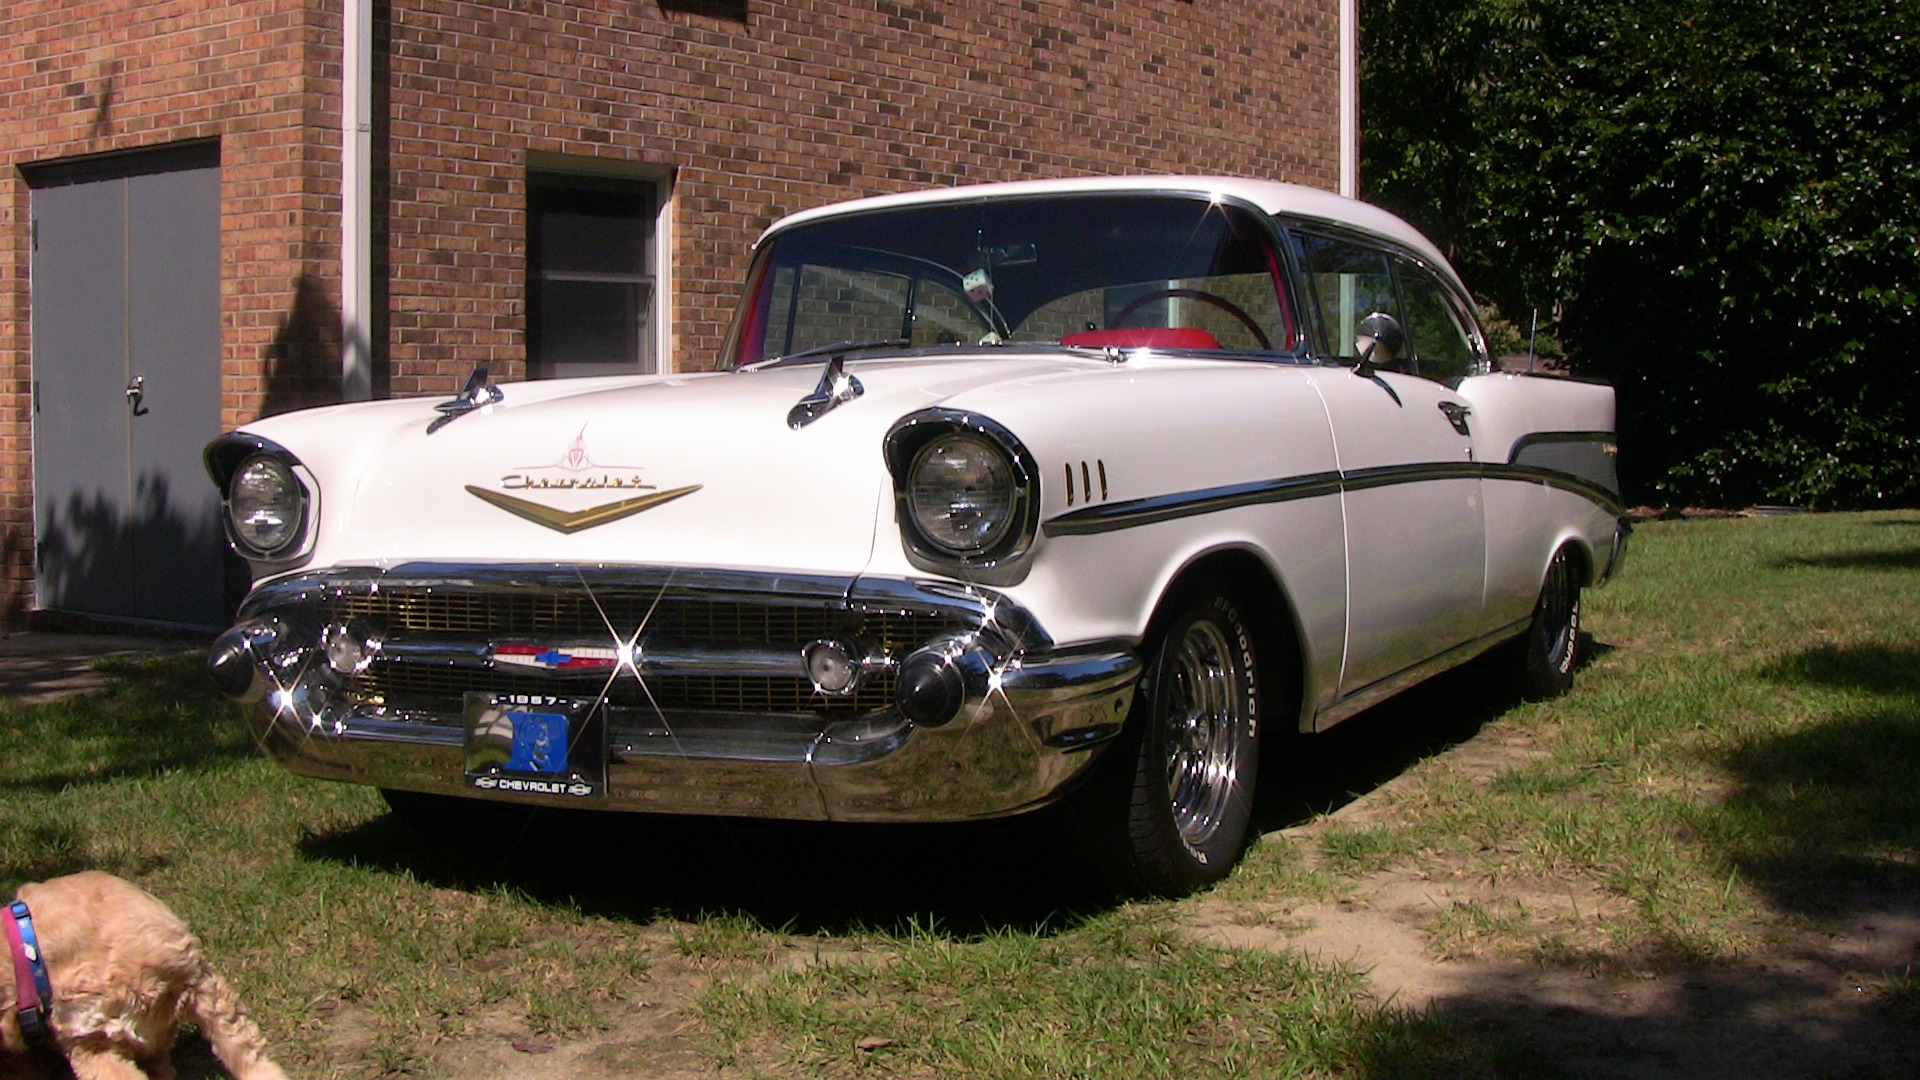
point(1721, 1022)
point(1825, 821)
point(1858, 560)
point(1305, 776)
point(967, 879)
point(152, 715)
point(1832, 808)
point(804, 877)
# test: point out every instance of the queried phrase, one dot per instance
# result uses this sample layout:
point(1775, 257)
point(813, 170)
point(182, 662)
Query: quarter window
point(1442, 347)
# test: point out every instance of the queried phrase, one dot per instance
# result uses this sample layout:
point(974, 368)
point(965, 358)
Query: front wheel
point(1551, 648)
point(1170, 808)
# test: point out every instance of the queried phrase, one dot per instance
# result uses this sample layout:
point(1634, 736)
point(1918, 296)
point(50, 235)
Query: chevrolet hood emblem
point(573, 521)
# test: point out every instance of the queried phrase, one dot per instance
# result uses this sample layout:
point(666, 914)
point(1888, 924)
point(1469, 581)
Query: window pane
point(590, 286)
point(1023, 269)
point(1350, 282)
point(942, 316)
point(593, 232)
point(589, 327)
point(1440, 345)
point(837, 305)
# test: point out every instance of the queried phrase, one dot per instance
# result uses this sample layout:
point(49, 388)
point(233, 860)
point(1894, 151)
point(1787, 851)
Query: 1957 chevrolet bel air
point(1066, 491)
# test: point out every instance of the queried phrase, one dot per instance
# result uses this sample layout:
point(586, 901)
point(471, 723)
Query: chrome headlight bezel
point(234, 460)
point(975, 446)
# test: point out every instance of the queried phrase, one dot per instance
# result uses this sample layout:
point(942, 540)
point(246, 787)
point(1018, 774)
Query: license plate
point(536, 745)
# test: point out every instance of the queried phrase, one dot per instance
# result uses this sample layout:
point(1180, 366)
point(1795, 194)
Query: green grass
point(1116, 995)
point(1738, 758)
point(1740, 753)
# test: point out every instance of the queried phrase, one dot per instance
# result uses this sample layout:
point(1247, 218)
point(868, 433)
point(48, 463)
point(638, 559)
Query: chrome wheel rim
point(1205, 715)
point(1558, 621)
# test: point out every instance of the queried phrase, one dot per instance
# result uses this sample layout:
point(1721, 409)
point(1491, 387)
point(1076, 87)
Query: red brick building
point(189, 237)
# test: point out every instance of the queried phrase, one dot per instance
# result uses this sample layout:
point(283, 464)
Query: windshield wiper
point(842, 347)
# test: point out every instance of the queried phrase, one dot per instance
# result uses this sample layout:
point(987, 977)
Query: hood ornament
point(835, 389)
point(479, 393)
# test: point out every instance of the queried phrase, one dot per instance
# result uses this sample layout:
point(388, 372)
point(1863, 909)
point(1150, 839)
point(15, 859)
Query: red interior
point(1144, 337)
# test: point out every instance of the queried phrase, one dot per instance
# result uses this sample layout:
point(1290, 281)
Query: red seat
point(1144, 337)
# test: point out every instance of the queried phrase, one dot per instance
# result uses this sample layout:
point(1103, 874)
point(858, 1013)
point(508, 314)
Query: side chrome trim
point(1391, 475)
point(1606, 438)
point(1183, 504)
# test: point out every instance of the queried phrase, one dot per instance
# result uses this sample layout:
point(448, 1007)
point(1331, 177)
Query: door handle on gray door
point(136, 390)
point(1456, 415)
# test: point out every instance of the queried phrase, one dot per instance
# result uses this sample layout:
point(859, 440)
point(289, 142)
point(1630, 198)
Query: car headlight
point(266, 506)
point(965, 491)
point(961, 493)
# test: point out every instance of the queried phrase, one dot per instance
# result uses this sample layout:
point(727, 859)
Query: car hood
point(692, 470)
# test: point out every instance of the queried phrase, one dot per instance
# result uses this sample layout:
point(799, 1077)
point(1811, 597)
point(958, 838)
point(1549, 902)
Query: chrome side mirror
point(1379, 341)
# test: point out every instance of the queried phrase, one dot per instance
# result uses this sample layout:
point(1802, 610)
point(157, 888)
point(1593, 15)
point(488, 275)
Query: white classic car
point(1010, 495)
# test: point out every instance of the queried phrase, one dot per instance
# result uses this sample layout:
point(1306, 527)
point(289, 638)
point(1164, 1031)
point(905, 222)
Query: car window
point(1441, 345)
point(1121, 270)
point(942, 316)
point(826, 304)
point(1349, 282)
point(1241, 312)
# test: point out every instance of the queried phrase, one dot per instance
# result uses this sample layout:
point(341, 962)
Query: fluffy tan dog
point(125, 973)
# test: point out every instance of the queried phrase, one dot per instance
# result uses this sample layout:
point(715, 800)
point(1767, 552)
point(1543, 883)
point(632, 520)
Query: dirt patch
point(1811, 1003)
point(1814, 1002)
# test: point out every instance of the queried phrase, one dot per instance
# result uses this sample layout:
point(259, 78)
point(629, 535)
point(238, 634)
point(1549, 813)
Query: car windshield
point(1088, 270)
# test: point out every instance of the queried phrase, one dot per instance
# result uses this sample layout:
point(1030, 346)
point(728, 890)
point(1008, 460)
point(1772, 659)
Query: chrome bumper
point(1013, 720)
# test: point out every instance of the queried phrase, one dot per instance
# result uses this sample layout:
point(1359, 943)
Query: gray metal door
point(126, 387)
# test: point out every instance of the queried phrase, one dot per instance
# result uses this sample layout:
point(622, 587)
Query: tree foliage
point(1723, 196)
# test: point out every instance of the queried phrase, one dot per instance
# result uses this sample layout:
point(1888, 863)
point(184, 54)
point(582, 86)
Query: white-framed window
point(597, 277)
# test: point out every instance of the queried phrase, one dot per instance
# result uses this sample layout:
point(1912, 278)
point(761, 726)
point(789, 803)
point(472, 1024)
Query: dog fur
point(125, 973)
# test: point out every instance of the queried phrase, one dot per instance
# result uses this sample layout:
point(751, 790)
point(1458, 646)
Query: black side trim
point(1389, 475)
point(1157, 508)
point(1538, 437)
point(1183, 504)
point(1533, 474)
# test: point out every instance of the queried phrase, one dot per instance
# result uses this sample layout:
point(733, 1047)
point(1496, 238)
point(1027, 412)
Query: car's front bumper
point(962, 707)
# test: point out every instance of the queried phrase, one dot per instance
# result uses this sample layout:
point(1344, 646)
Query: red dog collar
point(32, 989)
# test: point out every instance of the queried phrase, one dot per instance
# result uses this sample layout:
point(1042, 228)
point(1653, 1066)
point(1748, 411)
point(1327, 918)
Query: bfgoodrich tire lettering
point(1550, 650)
point(1170, 810)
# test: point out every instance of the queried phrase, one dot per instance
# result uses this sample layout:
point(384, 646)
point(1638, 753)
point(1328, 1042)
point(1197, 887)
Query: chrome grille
point(444, 614)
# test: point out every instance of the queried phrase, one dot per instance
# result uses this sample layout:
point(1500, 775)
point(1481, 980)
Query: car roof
point(1271, 196)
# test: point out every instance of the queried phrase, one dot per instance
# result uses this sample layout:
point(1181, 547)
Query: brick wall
point(767, 108)
point(98, 77)
point(760, 108)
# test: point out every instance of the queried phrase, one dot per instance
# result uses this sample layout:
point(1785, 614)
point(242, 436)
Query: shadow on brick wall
point(734, 10)
point(303, 360)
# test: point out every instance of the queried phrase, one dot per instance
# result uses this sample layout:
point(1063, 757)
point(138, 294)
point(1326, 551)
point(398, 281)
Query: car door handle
point(1456, 415)
point(136, 390)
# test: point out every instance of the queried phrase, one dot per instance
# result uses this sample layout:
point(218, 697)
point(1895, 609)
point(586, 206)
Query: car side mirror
point(1380, 341)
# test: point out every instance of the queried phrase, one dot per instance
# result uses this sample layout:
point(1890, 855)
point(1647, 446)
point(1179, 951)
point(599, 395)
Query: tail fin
point(213, 1006)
